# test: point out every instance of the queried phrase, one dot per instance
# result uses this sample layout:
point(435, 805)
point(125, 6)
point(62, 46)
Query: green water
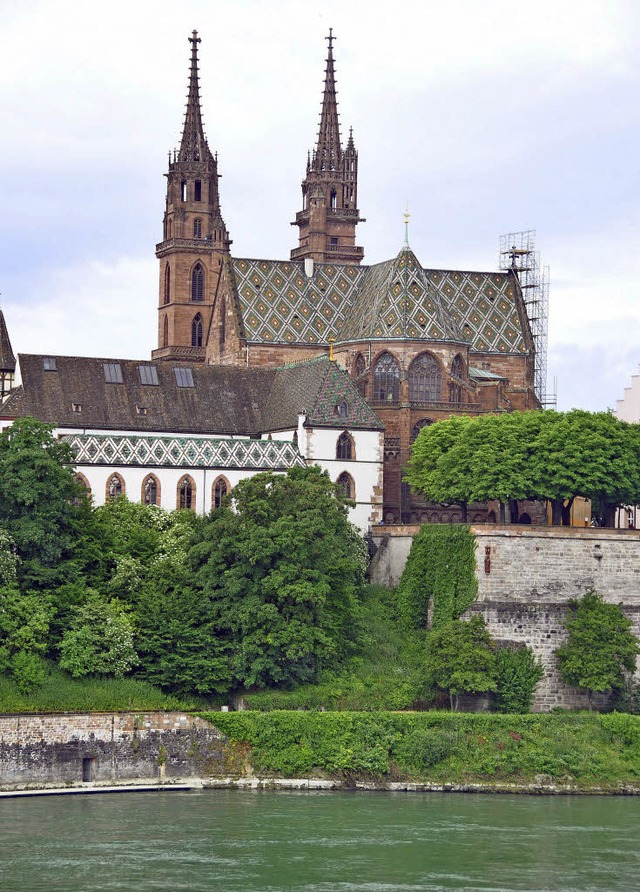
point(320, 842)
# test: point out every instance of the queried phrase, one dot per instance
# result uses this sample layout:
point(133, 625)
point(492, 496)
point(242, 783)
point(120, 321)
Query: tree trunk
point(556, 512)
point(513, 510)
point(503, 517)
point(465, 511)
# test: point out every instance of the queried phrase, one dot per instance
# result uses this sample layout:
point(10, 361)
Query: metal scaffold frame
point(518, 253)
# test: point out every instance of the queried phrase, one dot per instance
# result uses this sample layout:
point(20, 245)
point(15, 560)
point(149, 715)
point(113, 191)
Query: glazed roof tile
point(398, 298)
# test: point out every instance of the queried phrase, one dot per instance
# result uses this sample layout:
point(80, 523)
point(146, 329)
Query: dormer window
point(50, 364)
point(112, 372)
point(76, 407)
point(142, 410)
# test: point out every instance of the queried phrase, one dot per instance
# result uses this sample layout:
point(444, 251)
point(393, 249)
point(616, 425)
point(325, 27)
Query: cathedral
point(418, 343)
point(315, 358)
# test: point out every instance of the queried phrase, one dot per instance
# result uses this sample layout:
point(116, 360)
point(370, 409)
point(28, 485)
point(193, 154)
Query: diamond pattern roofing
point(398, 298)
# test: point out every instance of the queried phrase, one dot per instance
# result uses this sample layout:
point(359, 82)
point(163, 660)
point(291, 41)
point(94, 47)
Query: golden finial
point(407, 215)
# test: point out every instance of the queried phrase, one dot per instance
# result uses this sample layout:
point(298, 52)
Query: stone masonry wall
point(109, 747)
point(526, 575)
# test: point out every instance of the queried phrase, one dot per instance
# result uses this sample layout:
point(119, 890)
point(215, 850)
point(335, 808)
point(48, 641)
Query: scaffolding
point(518, 253)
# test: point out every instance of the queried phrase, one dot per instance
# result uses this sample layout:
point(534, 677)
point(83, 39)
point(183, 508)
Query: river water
point(319, 842)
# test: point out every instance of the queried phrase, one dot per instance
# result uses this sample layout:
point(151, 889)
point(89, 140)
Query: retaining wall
point(526, 575)
point(69, 748)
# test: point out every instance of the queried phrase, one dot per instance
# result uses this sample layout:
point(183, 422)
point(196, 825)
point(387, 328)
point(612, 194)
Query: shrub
point(517, 674)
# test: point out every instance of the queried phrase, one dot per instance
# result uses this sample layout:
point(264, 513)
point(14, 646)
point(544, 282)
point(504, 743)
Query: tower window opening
point(197, 190)
point(333, 201)
point(197, 228)
point(197, 283)
point(183, 190)
point(167, 284)
point(196, 331)
point(165, 332)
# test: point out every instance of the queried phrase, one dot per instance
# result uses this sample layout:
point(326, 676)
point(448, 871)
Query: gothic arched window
point(457, 376)
point(165, 332)
point(425, 380)
point(197, 228)
point(346, 484)
point(197, 191)
point(115, 487)
point(345, 448)
point(359, 366)
point(167, 283)
point(197, 283)
point(150, 490)
point(83, 486)
point(386, 378)
point(196, 331)
point(183, 190)
point(417, 427)
point(220, 489)
point(186, 493)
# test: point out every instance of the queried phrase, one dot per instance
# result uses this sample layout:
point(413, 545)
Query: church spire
point(195, 237)
point(329, 215)
point(328, 152)
point(194, 144)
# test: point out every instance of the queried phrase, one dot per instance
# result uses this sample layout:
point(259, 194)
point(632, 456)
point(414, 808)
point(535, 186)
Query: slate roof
point(223, 399)
point(398, 298)
point(7, 359)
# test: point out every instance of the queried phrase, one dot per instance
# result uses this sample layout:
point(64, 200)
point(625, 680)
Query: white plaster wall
point(319, 448)
point(628, 408)
point(204, 478)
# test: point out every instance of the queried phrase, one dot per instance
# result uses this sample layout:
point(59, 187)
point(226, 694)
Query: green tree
point(284, 571)
point(179, 643)
point(460, 658)
point(539, 455)
point(24, 630)
point(100, 640)
point(517, 674)
point(38, 495)
point(600, 645)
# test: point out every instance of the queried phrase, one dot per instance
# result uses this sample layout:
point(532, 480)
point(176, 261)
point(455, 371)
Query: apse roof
point(280, 303)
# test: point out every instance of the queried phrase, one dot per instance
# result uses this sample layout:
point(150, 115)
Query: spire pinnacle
point(328, 153)
point(194, 144)
point(407, 215)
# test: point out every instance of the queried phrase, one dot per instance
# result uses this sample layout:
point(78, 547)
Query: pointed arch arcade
point(219, 490)
point(150, 490)
point(115, 487)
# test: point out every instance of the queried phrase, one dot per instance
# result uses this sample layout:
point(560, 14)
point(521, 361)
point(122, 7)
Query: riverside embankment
point(559, 753)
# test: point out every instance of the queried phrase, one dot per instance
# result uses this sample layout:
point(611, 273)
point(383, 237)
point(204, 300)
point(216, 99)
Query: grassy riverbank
point(61, 693)
point(582, 749)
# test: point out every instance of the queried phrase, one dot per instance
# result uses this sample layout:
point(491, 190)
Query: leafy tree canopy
point(600, 645)
point(530, 455)
point(460, 658)
point(284, 570)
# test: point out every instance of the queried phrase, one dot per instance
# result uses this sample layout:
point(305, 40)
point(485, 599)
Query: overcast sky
point(485, 116)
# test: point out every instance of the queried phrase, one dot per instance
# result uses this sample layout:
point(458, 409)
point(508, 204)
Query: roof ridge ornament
point(407, 215)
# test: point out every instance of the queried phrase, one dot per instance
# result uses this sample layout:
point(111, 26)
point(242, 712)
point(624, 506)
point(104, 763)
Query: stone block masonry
point(68, 748)
point(527, 575)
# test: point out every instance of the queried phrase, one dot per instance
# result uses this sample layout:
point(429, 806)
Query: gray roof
point(110, 394)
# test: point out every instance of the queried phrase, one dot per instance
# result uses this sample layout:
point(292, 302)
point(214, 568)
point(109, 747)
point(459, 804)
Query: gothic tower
point(329, 214)
point(195, 237)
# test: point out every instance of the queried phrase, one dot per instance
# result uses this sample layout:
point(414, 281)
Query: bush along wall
point(581, 750)
point(439, 576)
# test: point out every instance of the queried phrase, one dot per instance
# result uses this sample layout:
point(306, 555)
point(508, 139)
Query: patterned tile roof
point(397, 300)
point(280, 303)
point(326, 394)
point(487, 307)
point(184, 452)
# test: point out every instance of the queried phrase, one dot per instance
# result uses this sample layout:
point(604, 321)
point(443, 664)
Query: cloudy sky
point(485, 116)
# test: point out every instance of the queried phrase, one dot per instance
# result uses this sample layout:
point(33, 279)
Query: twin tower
point(195, 237)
